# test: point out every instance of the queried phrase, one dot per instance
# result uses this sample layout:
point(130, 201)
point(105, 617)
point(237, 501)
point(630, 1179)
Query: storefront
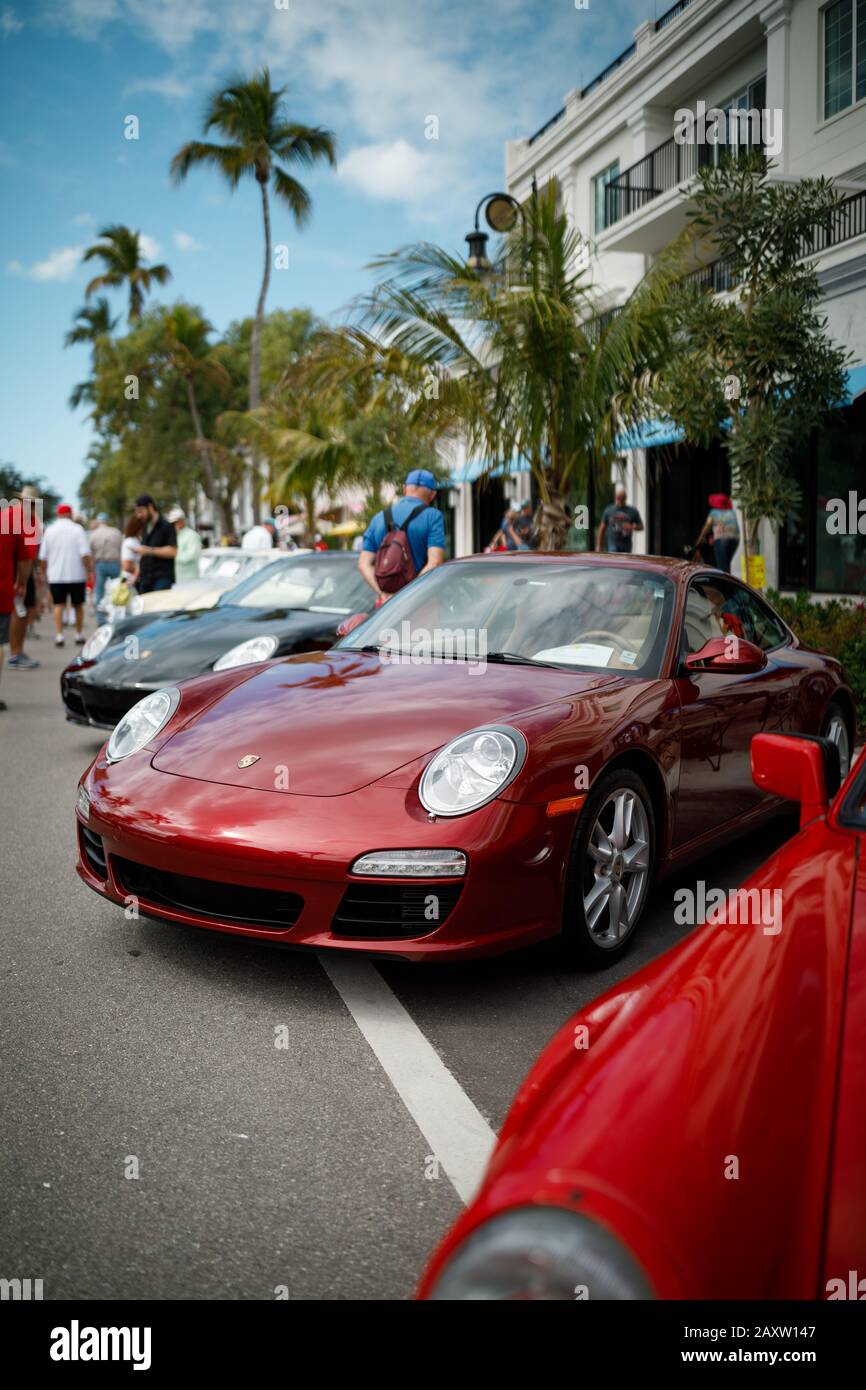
point(823, 546)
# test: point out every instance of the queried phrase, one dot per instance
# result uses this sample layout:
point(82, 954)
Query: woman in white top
point(129, 549)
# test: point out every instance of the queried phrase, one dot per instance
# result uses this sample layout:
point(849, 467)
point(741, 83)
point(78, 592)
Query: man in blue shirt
point(426, 533)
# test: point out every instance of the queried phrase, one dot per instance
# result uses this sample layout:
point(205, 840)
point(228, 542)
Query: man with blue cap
point(405, 539)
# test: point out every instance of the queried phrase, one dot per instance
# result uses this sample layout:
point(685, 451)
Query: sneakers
point(79, 636)
point(59, 641)
point(22, 662)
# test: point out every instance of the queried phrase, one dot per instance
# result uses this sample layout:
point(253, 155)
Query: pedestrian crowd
point(53, 566)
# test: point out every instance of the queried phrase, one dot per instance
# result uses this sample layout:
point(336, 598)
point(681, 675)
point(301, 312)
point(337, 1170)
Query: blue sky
point(71, 71)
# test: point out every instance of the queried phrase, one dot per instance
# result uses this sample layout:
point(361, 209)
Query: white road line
point(458, 1134)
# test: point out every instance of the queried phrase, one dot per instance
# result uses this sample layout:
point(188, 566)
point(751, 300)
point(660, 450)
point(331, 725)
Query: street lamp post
point(500, 214)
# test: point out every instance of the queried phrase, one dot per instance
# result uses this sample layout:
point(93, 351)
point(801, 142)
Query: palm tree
point(522, 365)
point(119, 249)
point(251, 115)
point(92, 322)
point(189, 353)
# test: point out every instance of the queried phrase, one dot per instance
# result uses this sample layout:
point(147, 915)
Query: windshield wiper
point(506, 657)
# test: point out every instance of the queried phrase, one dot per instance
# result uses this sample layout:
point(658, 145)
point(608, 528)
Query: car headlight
point(256, 649)
point(140, 724)
point(95, 645)
point(539, 1254)
point(471, 770)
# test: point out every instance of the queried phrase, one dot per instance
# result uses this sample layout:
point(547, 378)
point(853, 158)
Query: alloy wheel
point(617, 868)
point(837, 732)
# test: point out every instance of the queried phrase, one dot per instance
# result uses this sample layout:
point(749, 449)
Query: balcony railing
point(596, 82)
point(667, 18)
point(542, 130)
point(664, 168)
point(610, 69)
point(843, 224)
point(673, 13)
point(594, 327)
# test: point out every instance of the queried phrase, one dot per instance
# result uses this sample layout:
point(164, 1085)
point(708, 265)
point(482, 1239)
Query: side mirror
point(800, 767)
point(727, 656)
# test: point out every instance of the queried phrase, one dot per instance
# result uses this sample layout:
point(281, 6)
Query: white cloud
point(174, 88)
point(395, 171)
point(58, 265)
point(375, 73)
point(84, 219)
point(150, 247)
point(10, 23)
point(184, 242)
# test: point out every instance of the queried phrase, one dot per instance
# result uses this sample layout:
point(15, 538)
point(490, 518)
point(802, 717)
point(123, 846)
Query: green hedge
point(837, 627)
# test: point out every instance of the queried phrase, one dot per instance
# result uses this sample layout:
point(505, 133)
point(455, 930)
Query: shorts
point(75, 593)
point(4, 628)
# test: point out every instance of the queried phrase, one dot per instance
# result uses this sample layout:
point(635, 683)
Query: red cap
point(64, 509)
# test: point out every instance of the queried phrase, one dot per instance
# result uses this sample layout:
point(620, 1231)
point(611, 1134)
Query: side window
point(705, 616)
point(719, 608)
point(760, 625)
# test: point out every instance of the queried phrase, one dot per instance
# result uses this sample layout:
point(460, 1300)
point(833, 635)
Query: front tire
point(610, 871)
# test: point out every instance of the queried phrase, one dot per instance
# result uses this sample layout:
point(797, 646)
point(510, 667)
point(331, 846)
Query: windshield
point(574, 614)
point(321, 583)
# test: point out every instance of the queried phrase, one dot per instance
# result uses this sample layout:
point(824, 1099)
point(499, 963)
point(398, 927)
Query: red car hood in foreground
point(693, 1116)
point(338, 720)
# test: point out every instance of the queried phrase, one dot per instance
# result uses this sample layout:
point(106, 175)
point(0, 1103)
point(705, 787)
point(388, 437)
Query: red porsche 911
point(699, 1131)
point(512, 747)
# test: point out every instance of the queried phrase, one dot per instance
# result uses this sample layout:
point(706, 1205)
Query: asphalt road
point(130, 1046)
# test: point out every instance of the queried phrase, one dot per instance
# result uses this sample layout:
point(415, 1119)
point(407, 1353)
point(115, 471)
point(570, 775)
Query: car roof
point(665, 564)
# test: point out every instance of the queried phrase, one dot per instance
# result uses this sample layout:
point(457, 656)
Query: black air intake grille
point(394, 909)
point(201, 897)
point(93, 851)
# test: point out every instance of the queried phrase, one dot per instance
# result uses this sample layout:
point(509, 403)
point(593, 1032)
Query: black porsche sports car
point(293, 605)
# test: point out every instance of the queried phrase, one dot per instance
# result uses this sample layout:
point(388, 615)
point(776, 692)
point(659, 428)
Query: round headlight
point(96, 644)
point(541, 1254)
point(256, 649)
point(140, 724)
point(471, 770)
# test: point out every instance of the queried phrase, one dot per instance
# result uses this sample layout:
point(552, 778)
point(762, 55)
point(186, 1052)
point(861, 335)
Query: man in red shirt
point(18, 550)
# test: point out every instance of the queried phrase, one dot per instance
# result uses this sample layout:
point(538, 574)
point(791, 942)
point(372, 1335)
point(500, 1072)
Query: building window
point(741, 134)
point(844, 55)
point(605, 213)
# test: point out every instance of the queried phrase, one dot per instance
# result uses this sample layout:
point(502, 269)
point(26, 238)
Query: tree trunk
point(256, 344)
point(310, 509)
point(551, 523)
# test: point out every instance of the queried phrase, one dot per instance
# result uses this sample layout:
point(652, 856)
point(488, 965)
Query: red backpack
point(395, 567)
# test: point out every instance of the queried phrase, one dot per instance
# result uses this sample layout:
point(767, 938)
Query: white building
point(621, 173)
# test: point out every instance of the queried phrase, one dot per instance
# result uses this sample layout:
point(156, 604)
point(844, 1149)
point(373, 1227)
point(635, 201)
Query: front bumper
point(98, 706)
point(277, 867)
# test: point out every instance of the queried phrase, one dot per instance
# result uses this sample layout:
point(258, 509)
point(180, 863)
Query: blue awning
point(657, 432)
point(472, 470)
point(650, 435)
point(856, 383)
